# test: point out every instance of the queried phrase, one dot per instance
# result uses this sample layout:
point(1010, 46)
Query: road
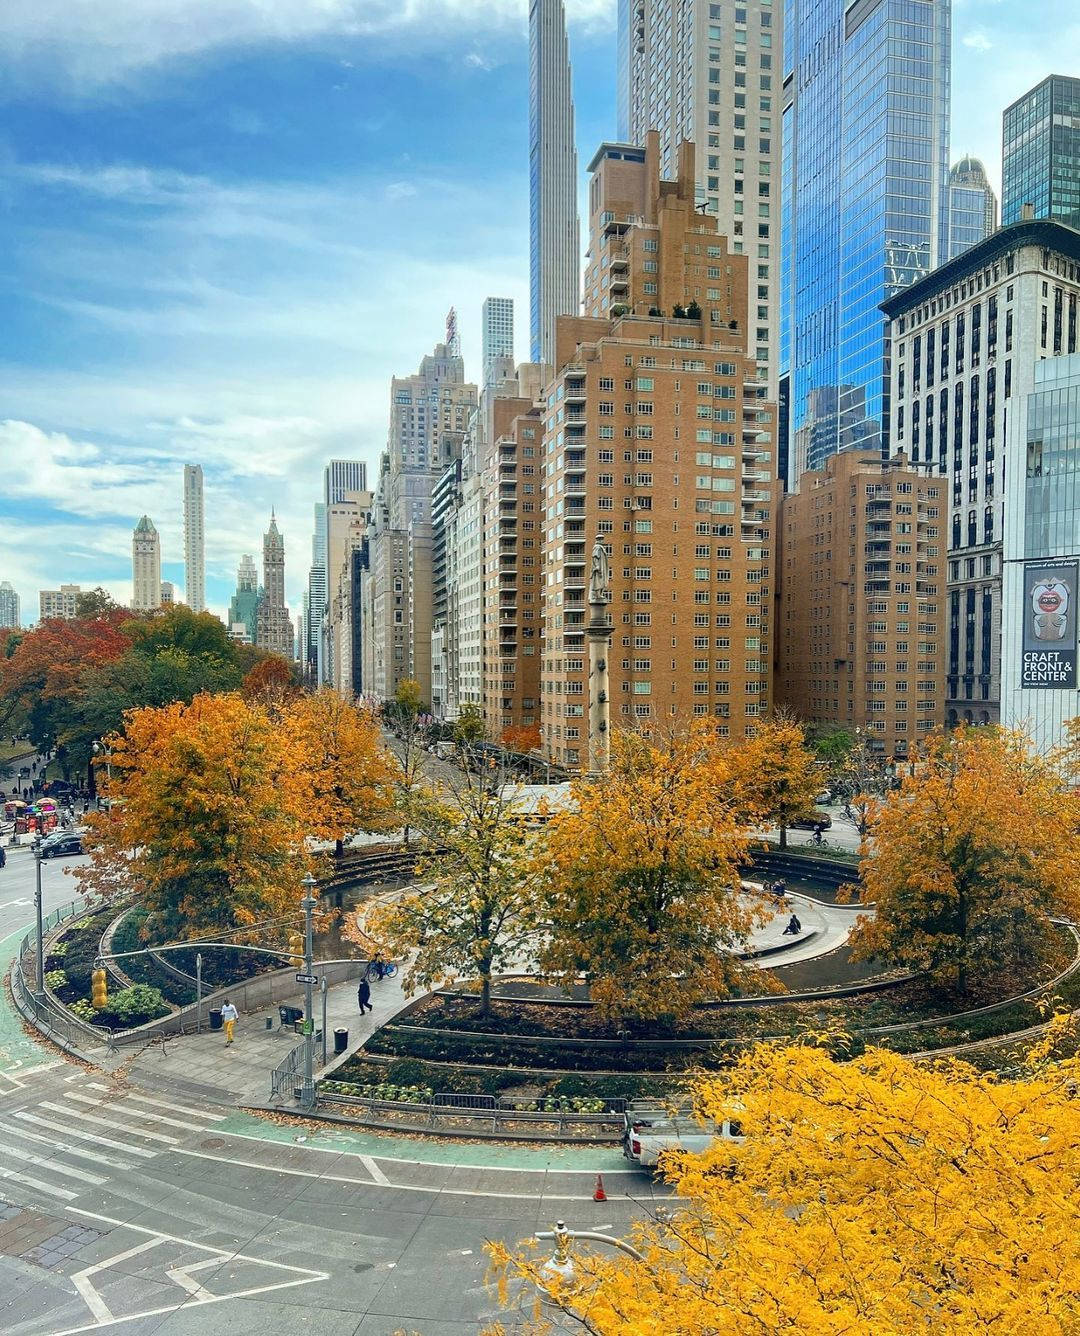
point(147, 1209)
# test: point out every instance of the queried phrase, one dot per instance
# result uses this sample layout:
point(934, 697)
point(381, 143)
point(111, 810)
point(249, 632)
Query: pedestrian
point(230, 1016)
point(363, 996)
point(793, 928)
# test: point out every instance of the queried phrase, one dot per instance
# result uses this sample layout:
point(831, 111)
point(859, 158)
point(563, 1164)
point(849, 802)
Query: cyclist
point(816, 837)
point(377, 966)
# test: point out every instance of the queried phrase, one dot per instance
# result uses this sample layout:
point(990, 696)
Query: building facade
point(316, 590)
point(145, 566)
point(710, 73)
point(865, 207)
point(1040, 159)
point(244, 605)
point(341, 478)
point(657, 436)
point(194, 539)
point(973, 209)
point(62, 602)
point(860, 613)
point(554, 238)
point(1041, 584)
point(274, 629)
point(966, 341)
point(496, 337)
point(9, 605)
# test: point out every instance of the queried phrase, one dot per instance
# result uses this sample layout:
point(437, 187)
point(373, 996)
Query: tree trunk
point(485, 994)
point(783, 836)
point(339, 848)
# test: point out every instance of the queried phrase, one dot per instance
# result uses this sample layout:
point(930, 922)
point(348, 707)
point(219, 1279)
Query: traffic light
point(99, 995)
point(296, 950)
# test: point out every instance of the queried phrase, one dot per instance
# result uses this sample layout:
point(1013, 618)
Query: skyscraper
point(194, 539)
point(244, 607)
point(342, 476)
point(316, 585)
point(9, 605)
point(972, 206)
point(554, 248)
point(145, 566)
point(1040, 160)
point(497, 336)
point(710, 74)
point(865, 207)
point(274, 630)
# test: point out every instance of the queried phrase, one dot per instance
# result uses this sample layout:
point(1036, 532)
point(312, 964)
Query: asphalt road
point(17, 887)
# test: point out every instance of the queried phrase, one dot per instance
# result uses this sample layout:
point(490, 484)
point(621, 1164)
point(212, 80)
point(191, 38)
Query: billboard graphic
point(1050, 610)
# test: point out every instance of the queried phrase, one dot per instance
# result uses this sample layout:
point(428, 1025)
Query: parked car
point(3, 856)
point(811, 821)
point(649, 1131)
point(61, 843)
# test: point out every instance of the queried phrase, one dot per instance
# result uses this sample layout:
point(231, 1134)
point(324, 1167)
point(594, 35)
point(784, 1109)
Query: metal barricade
point(283, 1075)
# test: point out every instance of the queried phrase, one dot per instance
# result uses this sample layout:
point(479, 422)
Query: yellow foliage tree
point(971, 855)
point(348, 773)
point(871, 1198)
point(641, 876)
point(208, 817)
point(777, 776)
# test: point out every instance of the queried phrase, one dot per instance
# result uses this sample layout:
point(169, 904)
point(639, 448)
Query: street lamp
point(308, 904)
point(37, 913)
point(98, 747)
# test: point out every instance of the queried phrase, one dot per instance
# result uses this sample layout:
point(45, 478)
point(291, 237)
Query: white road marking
point(73, 1077)
point(95, 1139)
point(29, 1182)
point(108, 1122)
point(120, 1106)
point(43, 1162)
point(174, 1108)
point(66, 1147)
point(373, 1169)
point(81, 1279)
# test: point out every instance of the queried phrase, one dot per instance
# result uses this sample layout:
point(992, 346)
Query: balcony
point(574, 390)
point(756, 475)
point(752, 498)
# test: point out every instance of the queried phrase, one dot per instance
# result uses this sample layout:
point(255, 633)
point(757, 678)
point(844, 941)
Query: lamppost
point(98, 748)
point(308, 904)
point(37, 912)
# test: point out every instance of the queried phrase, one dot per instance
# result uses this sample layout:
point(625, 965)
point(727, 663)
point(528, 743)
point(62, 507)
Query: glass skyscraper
point(1040, 163)
point(864, 210)
point(972, 206)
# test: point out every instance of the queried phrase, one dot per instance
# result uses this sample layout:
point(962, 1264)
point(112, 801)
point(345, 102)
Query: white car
point(650, 1131)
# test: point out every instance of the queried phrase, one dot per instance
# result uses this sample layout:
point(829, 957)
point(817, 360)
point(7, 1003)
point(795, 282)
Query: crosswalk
point(86, 1133)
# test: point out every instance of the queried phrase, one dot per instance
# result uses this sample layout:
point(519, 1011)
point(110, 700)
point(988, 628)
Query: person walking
point(230, 1016)
point(363, 996)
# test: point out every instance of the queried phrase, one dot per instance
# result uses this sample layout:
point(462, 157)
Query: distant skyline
point(216, 244)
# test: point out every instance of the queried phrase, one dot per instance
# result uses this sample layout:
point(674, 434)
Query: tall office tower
point(346, 524)
point(688, 539)
point(865, 208)
point(860, 600)
point(1040, 160)
point(244, 605)
point(555, 243)
point(194, 539)
point(496, 336)
point(168, 593)
point(9, 605)
point(710, 73)
point(62, 602)
point(966, 342)
point(145, 566)
point(342, 476)
point(316, 594)
point(274, 630)
point(973, 207)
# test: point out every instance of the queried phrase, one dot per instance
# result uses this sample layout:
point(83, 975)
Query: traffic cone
point(599, 1194)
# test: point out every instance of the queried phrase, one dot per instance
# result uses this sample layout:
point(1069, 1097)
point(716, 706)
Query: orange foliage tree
point(642, 876)
point(269, 683)
point(777, 776)
point(347, 772)
point(870, 1197)
point(208, 818)
point(971, 855)
point(521, 737)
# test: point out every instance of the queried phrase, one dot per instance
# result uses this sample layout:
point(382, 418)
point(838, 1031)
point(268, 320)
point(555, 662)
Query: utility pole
point(37, 912)
point(308, 903)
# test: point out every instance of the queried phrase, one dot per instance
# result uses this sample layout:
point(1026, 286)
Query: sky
point(225, 224)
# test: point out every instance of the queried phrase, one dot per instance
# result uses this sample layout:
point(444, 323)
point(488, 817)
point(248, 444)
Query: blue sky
point(224, 224)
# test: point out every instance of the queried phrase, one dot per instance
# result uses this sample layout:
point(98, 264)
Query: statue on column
point(599, 576)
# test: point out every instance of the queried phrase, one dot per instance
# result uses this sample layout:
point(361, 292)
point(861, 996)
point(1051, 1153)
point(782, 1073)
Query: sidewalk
point(240, 1074)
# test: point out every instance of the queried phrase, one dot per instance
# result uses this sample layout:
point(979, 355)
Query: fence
point(55, 1024)
point(285, 1073)
point(503, 1114)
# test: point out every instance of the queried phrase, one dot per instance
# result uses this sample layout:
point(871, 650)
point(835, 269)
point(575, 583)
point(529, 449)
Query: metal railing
point(499, 1113)
point(285, 1073)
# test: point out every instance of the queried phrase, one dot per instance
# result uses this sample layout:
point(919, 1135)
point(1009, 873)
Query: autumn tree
point(521, 738)
point(860, 781)
point(972, 854)
point(269, 683)
point(478, 917)
point(868, 1197)
point(407, 751)
point(776, 775)
point(346, 771)
point(469, 726)
point(208, 822)
point(641, 876)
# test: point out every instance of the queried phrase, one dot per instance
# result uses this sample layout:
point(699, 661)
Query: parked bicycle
point(380, 969)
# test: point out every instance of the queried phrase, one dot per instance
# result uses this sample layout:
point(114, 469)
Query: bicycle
point(380, 969)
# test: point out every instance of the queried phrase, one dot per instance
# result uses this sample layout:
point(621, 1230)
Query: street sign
point(309, 1027)
point(307, 978)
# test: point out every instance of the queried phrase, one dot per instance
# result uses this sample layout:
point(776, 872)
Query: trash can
point(341, 1040)
point(215, 1018)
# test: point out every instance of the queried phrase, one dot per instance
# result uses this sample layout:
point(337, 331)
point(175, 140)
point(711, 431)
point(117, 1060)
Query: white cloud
point(91, 42)
point(977, 40)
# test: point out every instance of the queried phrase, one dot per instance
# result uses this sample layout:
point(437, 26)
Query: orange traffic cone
point(599, 1194)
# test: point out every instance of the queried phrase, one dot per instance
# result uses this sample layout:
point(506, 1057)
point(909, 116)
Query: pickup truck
point(649, 1131)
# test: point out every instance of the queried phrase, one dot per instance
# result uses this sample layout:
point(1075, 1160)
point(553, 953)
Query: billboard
point(1050, 610)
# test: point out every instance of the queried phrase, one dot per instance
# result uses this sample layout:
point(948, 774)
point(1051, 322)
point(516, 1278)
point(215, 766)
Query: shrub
point(83, 1009)
point(136, 1005)
point(55, 979)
